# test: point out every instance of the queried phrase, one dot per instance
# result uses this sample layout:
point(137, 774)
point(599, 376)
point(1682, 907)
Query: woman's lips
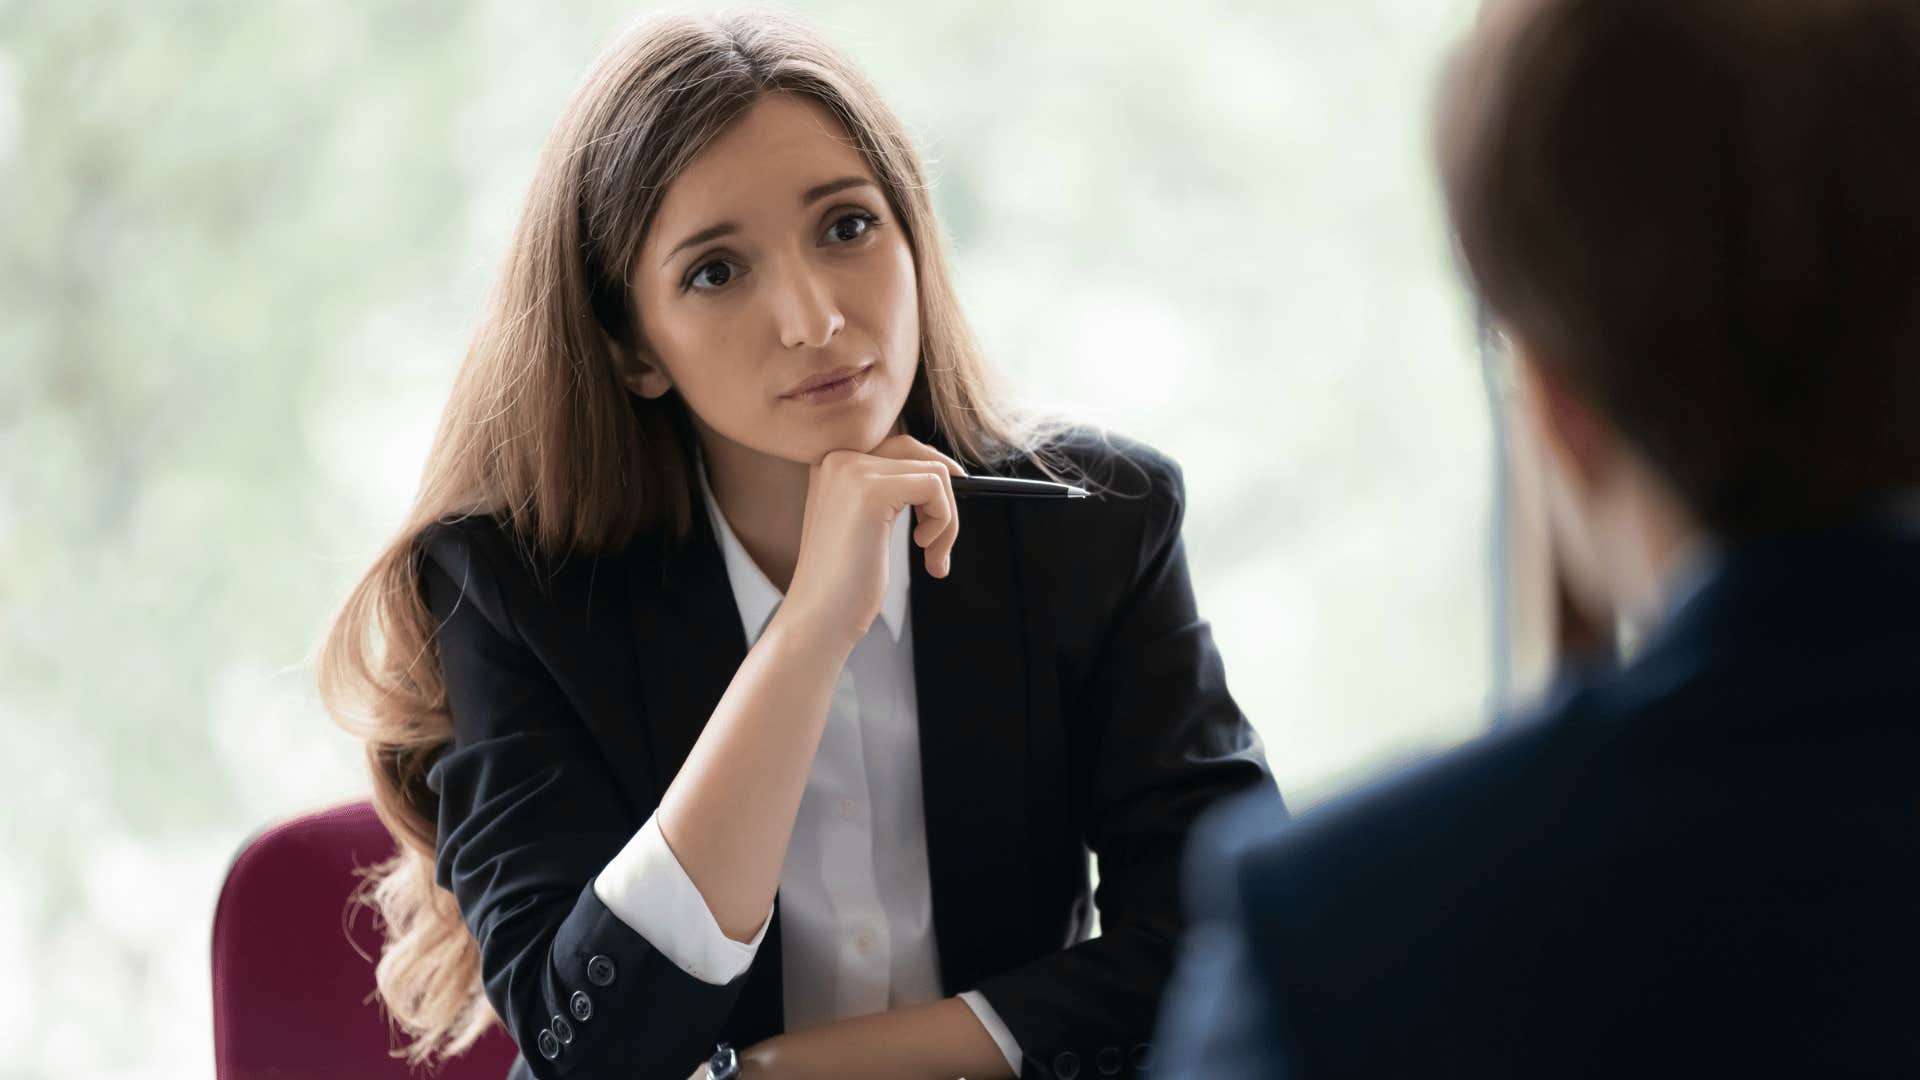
point(834, 386)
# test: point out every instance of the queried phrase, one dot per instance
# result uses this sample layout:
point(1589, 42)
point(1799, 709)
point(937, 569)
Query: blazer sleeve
point(529, 814)
point(1155, 739)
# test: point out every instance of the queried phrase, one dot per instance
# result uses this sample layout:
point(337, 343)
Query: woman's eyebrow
point(812, 195)
point(711, 232)
point(820, 191)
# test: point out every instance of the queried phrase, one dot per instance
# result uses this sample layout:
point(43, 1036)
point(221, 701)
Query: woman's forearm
point(729, 812)
point(941, 1040)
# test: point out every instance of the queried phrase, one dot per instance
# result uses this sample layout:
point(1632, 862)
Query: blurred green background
point(242, 243)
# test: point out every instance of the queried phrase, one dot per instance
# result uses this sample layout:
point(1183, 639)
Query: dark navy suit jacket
point(1705, 863)
point(1070, 700)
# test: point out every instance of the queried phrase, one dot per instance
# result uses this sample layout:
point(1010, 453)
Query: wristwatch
point(724, 1064)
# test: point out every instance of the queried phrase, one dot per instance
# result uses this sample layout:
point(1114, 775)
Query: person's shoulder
point(1226, 838)
point(1104, 460)
point(503, 566)
point(458, 538)
point(480, 545)
point(1127, 480)
point(1394, 838)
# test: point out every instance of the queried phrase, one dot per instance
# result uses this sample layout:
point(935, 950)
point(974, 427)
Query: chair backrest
point(292, 975)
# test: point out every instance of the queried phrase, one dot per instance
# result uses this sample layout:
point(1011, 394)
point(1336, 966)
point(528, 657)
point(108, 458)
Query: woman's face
point(773, 263)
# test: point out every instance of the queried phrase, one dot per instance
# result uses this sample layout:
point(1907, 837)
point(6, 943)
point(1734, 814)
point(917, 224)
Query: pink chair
point(291, 996)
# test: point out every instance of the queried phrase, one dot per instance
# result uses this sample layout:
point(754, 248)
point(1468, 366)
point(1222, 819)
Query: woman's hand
point(939, 1040)
point(853, 500)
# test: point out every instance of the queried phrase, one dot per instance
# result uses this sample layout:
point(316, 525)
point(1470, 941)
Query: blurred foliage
point(240, 249)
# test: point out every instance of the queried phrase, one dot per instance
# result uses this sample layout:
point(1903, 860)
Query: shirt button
point(849, 808)
point(600, 971)
point(581, 1005)
point(863, 941)
point(549, 1044)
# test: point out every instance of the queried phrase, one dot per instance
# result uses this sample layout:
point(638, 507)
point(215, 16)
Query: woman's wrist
point(793, 632)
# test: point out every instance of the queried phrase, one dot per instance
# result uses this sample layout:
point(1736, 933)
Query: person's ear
point(1590, 464)
point(640, 370)
point(1569, 429)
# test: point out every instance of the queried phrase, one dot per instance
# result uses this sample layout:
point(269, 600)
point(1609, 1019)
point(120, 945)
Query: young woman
point(683, 741)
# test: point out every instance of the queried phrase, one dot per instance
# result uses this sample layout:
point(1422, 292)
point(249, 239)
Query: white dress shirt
point(856, 906)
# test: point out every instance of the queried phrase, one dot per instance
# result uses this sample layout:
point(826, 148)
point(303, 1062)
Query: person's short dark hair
point(1705, 215)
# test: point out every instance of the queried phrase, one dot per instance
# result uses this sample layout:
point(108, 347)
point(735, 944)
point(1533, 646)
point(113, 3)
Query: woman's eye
point(852, 227)
point(711, 275)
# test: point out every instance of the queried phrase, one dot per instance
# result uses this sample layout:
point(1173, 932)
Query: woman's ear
point(639, 369)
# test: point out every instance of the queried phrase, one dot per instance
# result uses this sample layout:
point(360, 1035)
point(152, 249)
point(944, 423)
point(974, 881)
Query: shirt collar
point(758, 599)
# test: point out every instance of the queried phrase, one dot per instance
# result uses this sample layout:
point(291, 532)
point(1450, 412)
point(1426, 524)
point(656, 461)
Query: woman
point(682, 743)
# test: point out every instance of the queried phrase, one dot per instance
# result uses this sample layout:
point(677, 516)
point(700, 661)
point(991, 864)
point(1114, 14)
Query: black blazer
point(1070, 699)
point(1706, 863)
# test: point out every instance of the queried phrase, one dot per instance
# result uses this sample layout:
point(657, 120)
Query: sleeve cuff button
point(600, 971)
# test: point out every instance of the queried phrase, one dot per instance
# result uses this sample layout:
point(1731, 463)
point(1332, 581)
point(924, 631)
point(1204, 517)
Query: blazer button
point(581, 1006)
point(562, 1030)
point(1109, 1061)
point(600, 971)
point(549, 1045)
point(1066, 1065)
point(1143, 1056)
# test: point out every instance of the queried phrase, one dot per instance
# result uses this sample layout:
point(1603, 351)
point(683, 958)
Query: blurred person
point(1696, 223)
point(684, 743)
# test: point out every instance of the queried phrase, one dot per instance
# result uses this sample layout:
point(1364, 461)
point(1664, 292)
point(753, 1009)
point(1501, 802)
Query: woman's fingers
point(903, 457)
point(940, 552)
point(906, 447)
point(930, 495)
point(932, 501)
point(939, 517)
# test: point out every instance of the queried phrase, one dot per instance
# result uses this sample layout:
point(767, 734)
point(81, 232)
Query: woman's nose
point(806, 313)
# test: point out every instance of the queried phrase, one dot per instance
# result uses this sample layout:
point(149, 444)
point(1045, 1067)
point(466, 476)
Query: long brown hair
point(540, 433)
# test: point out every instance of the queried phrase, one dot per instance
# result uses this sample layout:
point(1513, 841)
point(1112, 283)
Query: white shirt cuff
point(646, 887)
point(991, 1021)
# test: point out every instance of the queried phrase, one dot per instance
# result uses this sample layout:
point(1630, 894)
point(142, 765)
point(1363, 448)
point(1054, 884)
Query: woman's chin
point(854, 429)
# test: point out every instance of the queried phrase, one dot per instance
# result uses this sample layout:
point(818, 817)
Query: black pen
point(1006, 487)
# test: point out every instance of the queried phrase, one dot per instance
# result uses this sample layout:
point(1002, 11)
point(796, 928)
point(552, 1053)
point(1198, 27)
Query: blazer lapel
point(689, 640)
point(688, 644)
point(970, 666)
